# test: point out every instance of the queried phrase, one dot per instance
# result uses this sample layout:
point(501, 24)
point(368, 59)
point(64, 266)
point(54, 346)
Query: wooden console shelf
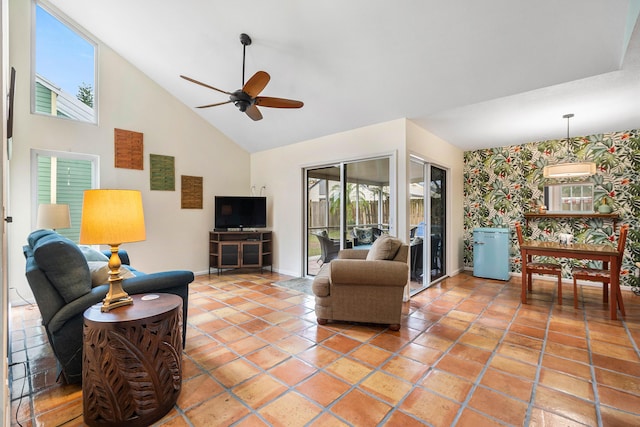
point(614, 217)
point(240, 249)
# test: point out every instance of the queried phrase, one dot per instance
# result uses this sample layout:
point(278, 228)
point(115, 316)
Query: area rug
point(300, 284)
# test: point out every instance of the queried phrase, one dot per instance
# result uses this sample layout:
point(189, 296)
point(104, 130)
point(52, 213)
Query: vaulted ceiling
point(478, 74)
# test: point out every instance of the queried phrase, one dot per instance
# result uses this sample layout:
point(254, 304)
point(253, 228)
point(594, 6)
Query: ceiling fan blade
point(204, 84)
point(266, 101)
point(214, 105)
point(254, 113)
point(256, 84)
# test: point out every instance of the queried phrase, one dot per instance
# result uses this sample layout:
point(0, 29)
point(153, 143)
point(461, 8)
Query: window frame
point(36, 153)
point(553, 197)
point(50, 9)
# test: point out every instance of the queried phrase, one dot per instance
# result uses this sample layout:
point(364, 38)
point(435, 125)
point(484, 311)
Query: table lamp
point(53, 216)
point(112, 217)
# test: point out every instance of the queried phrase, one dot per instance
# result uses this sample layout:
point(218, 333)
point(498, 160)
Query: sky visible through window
point(62, 56)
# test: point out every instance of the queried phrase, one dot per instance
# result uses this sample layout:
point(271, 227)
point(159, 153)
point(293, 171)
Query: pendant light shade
point(569, 169)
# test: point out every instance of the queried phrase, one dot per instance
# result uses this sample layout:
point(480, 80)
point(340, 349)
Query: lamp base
point(115, 304)
point(110, 305)
point(116, 297)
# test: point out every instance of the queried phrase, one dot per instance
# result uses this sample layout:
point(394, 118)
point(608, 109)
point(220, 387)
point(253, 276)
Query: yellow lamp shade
point(112, 217)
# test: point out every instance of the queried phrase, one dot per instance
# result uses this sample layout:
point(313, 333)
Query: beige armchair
point(364, 285)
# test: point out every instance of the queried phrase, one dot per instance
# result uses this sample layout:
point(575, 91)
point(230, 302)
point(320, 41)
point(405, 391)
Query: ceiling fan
point(247, 99)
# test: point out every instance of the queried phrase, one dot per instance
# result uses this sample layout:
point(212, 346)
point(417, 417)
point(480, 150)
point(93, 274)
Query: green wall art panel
point(502, 184)
point(163, 172)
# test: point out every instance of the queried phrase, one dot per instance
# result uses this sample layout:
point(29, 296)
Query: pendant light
point(569, 169)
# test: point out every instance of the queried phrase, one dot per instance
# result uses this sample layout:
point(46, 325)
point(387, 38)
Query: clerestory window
point(64, 73)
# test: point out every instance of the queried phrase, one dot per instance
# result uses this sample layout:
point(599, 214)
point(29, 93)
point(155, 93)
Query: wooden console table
point(132, 361)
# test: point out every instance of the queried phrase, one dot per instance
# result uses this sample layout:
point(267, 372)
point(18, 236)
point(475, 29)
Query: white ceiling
point(478, 74)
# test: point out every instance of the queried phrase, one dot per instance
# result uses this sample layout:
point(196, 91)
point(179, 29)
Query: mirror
point(573, 197)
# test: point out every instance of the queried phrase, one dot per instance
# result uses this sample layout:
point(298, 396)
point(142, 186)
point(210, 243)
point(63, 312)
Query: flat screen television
point(240, 212)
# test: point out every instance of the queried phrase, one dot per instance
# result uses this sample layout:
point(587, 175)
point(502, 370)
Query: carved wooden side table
point(132, 361)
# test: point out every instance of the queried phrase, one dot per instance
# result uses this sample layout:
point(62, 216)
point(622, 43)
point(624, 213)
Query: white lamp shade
point(112, 217)
point(53, 216)
point(569, 170)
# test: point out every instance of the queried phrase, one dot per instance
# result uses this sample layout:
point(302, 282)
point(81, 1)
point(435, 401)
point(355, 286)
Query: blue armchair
point(61, 281)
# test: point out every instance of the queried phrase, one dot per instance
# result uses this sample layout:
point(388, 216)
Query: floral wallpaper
point(502, 184)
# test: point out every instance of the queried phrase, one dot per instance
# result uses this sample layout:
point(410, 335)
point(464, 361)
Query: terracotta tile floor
point(468, 354)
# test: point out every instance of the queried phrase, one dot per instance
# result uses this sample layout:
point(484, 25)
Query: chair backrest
point(623, 238)
point(328, 248)
point(56, 270)
point(323, 243)
point(519, 232)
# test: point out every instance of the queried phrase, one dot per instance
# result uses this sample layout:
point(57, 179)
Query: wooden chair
point(600, 275)
point(550, 268)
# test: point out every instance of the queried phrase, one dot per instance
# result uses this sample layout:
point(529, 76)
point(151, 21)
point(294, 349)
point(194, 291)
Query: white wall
point(280, 170)
point(5, 404)
point(432, 149)
point(176, 238)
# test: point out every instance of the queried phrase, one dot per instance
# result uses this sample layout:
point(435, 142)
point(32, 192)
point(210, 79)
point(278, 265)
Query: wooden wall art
point(162, 172)
point(191, 192)
point(128, 149)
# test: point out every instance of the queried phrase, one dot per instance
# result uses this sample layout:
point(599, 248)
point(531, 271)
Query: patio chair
point(328, 248)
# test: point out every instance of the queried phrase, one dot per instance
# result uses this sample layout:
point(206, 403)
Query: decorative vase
point(604, 208)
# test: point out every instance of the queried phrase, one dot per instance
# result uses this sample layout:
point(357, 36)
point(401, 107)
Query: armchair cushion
point(100, 272)
point(370, 273)
point(92, 254)
point(64, 265)
point(384, 248)
point(35, 236)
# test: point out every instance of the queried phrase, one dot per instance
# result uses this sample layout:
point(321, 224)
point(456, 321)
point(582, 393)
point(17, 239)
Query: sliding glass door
point(418, 208)
point(323, 216)
point(427, 218)
point(348, 206)
point(438, 220)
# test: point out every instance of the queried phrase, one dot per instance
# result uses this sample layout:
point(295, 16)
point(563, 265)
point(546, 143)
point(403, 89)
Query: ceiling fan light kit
point(247, 99)
point(569, 169)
